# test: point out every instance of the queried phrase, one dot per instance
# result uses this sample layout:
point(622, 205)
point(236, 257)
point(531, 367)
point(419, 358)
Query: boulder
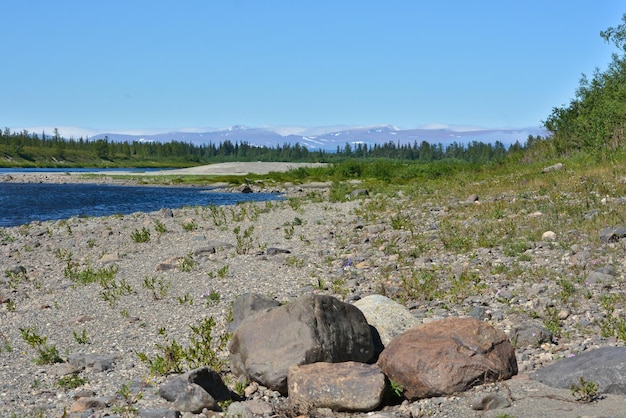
point(194, 399)
point(447, 356)
point(313, 328)
point(195, 390)
point(605, 367)
point(388, 317)
point(555, 167)
point(612, 234)
point(247, 305)
point(345, 386)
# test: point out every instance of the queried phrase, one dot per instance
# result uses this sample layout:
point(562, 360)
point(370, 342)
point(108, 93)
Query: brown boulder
point(448, 356)
point(348, 386)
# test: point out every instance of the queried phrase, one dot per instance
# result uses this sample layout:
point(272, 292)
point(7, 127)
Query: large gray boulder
point(605, 367)
point(247, 305)
point(313, 328)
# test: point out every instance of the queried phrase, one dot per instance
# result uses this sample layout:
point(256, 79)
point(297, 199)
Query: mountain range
point(331, 140)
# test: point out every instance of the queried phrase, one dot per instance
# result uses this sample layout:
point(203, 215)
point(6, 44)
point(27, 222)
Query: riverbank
point(172, 269)
point(126, 177)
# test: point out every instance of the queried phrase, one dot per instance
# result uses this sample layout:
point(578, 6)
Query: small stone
point(194, 399)
point(490, 402)
point(84, 404)
point(549, 236)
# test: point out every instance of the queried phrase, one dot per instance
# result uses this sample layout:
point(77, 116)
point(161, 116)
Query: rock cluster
point(343, 284)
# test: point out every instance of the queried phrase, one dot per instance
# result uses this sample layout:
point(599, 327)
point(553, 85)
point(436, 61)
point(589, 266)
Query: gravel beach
point(174, 268)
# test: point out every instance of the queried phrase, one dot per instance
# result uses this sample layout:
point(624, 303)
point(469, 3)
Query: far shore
point(219, 169)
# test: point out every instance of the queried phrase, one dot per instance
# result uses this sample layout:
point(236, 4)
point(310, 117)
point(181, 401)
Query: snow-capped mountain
point(331, 140)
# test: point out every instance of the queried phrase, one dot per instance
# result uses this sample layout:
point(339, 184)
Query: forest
point(30, 149)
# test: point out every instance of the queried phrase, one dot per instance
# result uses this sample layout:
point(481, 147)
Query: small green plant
point(159, 227)
point(244, 240)
point(15, 277)
point(289, 231)
point(397, 389)
point(140, 236)
point(112, 290)
point(157, 286)
point(203, 350)
point(293, 261)
point(91, 242)
point(551, 320)
point(295, 203)
point(124, 313)
point(11, 305)
point(420, 285)
point(129, 399)
point(612, 325)
point(88, 275)
point(222, 272)
point(190, 226)
point(186, 299)
point(211, 297)
point(187, 263)
point(585, 391)
point(70, 381)
point(6, 238)
point(6, 345)
point(46, 353)
point(81, 338)
point(218, 215)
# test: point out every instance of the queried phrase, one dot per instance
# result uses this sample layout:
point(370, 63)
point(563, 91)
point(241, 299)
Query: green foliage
point(80, 338)
point(190, 226)
point(160, 227)
point(157, 286)
point(595, 120)
point(218, 215)
point(551, 320)
point(129, 399)
point(87, 275)
point(222, 272)
point(613, 325)
point(112, 290)
point(203, 350)
point(244, 240)
point(46, 353)
point(141, 236)
point(585, 391)
point(421, 285)
point(187, 263)
point(185, 299)
point(71, 381)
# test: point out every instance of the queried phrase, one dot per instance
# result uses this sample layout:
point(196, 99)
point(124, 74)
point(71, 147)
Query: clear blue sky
point(162, 65)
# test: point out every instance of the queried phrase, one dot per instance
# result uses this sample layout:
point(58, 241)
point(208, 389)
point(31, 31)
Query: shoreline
point(219, 169)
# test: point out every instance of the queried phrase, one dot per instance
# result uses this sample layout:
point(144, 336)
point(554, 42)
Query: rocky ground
point(556, 296)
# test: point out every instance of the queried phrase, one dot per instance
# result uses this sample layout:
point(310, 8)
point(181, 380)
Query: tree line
point(594, 121)
point(54, 150)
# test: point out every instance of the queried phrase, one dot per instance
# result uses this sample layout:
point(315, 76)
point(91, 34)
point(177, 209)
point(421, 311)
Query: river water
point(22, 203)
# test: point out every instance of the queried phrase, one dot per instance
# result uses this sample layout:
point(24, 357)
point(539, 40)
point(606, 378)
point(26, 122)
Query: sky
point(138, 66)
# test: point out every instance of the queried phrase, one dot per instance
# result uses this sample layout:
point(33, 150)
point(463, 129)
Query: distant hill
point(330, 141)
